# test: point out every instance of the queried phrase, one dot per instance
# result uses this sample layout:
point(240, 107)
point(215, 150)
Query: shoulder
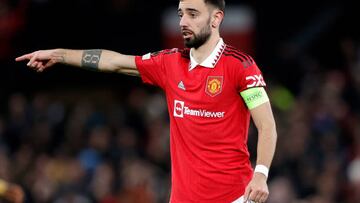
point(172, 52)
point(238, 57)
point(173, 56)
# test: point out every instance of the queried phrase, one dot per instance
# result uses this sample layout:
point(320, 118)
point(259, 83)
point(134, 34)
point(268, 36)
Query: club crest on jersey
point(214, 85)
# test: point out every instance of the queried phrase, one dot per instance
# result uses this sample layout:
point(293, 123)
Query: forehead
point(192, 4)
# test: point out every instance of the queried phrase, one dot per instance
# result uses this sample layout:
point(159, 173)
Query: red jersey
point(209, 120)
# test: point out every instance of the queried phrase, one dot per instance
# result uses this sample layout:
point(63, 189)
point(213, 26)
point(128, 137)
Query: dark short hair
point(220, 4)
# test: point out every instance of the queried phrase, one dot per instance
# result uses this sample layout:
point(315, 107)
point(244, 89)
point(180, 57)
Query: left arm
point(262, 115)
point(265, 124)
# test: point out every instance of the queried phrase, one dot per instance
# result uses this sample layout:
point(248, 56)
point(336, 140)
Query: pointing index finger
point(24, 57)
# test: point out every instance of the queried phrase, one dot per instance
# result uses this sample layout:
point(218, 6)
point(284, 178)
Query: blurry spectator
point(11, 192)
point(138, 179)
point(282, 191)
point(353, 172)
point(103, 181)
point(18, 122)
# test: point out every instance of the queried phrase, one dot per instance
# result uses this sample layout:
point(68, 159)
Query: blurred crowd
point(318, 150)
point(87, 147)
point(100, 143)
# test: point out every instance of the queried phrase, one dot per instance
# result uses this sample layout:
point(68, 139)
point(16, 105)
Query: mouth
point(187, 34)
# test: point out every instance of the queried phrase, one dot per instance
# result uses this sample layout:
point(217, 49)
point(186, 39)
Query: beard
point(198, 39)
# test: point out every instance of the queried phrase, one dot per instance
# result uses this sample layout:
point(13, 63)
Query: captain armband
point(254, 97)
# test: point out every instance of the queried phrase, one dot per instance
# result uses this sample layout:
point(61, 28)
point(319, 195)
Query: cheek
point(202, 24)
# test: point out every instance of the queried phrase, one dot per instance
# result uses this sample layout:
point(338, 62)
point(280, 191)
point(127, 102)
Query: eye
point(180, 15)
point(192, 14)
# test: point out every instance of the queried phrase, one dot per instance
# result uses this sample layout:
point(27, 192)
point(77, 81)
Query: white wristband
point(262, 169)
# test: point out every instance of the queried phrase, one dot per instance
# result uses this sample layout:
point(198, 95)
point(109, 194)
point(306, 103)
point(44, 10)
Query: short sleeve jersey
point(209, 120)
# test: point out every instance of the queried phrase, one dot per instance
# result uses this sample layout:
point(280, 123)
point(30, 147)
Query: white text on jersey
point(257, 81)
point(180, 110)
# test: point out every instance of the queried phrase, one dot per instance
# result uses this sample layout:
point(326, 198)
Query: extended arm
point(94, 59)
point(264, 121)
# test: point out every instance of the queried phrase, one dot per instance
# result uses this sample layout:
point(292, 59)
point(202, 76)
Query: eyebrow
point(189, 9)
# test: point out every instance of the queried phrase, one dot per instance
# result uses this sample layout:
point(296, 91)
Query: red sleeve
point(249, 75)
point(151, 68)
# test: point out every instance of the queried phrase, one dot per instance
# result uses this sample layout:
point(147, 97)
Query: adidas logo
point(181, 85)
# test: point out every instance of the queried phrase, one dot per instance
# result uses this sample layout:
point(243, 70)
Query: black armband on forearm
point(90, 59)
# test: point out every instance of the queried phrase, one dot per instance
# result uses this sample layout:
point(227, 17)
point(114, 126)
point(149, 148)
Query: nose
point(183, 22)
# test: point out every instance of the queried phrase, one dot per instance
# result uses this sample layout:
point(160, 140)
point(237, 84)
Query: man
point(11, 192)
point(211, 91)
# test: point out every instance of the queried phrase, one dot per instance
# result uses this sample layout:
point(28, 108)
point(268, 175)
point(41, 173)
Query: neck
point(201, 53)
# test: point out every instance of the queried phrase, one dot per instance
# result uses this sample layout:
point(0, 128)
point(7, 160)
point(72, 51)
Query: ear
point(217, 18)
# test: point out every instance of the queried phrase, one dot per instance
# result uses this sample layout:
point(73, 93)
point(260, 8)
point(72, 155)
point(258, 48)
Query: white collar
point(212, 59)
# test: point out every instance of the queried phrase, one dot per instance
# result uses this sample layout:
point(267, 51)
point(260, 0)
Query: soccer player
point(11, 192)
point(212, 89)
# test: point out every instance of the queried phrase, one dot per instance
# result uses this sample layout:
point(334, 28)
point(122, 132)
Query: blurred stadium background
point(68, 135)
